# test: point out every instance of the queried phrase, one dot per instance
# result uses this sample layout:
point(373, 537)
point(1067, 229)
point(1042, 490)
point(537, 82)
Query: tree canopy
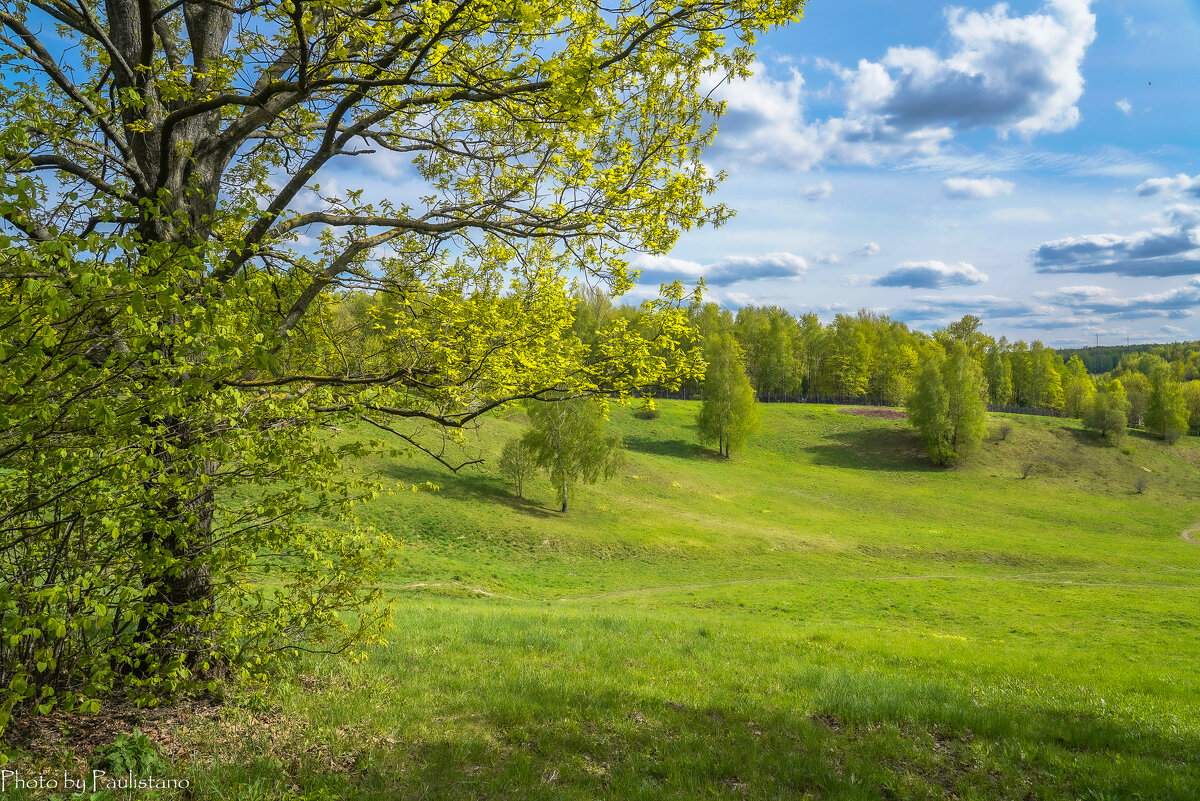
point(1108, 411)
point(728, 413)
point(568, 440)
point(189, 300)
point(947, 407)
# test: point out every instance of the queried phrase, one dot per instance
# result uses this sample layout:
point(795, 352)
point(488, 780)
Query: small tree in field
point(1108, 411)
point(947, 406)
point(729, 413)
point(518, 463)
point(569, 442)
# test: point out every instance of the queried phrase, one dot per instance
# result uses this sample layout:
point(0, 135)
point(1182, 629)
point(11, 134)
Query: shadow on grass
point(538, 742)
point(468, 485)
point(677, 448)
point(873, 449)
point(1085, 436)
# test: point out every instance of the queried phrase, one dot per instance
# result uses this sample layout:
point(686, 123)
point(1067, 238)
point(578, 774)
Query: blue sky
point(1034, 163)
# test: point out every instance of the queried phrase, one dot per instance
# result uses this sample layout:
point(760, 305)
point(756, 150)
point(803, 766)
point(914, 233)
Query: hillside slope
point(822, 616)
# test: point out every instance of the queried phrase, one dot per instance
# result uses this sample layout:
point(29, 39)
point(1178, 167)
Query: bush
point(1027, 469)
point(647, 411)
point(1140, 484)
point(1002, 431)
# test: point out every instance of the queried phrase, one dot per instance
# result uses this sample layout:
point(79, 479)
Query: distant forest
point(1105, 358)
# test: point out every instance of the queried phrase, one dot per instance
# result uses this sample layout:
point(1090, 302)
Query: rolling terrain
point(822, 616)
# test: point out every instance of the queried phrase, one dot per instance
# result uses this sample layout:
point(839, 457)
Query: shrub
point(132, 753)
point(648, 410)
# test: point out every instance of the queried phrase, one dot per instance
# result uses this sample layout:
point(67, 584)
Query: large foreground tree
point(181, 245)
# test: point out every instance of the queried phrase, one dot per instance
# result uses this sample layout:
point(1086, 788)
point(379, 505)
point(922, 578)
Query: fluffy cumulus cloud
point(1173, 249)
point(764, 119)
point(868, 249)
point(931, 275)
point(1180, 184)
point(1014, 74)
point(1124, 106)
point(723, 272)
point(817, 191)
point(976, 188)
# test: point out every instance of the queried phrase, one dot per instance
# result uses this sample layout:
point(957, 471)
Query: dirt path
point(1038, 578)
point(1187, 535)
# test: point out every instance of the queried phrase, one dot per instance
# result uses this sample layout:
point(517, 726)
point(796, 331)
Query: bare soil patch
point(49, 737)
point(882, 412)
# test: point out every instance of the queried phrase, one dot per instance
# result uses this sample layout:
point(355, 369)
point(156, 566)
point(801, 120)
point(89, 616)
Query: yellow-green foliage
point(947, 407)
point(183, 319)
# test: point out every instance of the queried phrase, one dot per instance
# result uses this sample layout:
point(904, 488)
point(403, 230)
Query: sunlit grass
point(824, 616)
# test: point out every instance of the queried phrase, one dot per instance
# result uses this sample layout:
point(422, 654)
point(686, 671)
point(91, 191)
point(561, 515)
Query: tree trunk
point(181, 590)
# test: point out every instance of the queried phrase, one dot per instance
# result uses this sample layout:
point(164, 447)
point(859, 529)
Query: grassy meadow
point(823, 616)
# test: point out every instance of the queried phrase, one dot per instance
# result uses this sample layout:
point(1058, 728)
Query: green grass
point(822, 616)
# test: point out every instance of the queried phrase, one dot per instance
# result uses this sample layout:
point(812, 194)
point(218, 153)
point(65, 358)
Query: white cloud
point(868, 249)
point(951, 307)
point(1180, 184)
point(1085, 292)
point(817, 191)
point(1124, 106)
point(1014, 74)
point(652, 265)
point(976, 188)
point(931, 275)
point(1158, 252)
point(764, 119)
point(1172, 303)
point(723, 272)
point(1171, 249)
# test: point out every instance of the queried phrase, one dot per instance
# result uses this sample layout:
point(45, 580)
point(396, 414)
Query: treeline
point(1184, 357)
point(868, 355)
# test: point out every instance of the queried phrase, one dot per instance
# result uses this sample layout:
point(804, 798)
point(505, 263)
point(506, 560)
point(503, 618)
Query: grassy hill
point(823, 616)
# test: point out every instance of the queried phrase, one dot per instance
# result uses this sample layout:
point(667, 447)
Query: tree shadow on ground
point(676, 448)
point(1085, 436)
point(872, 449)
point(630, 744)
point(468, 484)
